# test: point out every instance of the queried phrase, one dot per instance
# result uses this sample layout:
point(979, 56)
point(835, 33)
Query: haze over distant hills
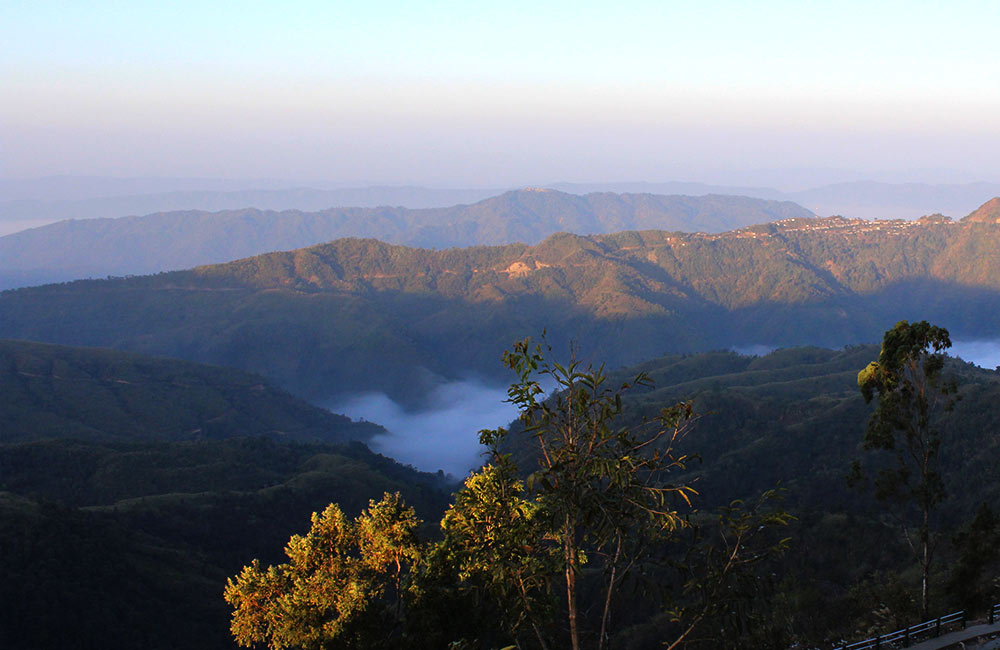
point(33, 202)
point(871, 200)
point(864, 199)
point(73, 188)
point(28, 203)
point(167, 241)
point(295, 198)
point(356, 315)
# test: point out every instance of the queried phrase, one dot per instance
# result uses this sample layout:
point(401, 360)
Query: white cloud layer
point(441, 435)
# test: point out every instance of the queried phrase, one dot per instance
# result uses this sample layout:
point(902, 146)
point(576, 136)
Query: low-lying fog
point(983, 353)
point(442, 435)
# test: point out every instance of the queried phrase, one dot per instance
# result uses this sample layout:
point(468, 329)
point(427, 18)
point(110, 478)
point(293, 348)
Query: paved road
point(968, 637)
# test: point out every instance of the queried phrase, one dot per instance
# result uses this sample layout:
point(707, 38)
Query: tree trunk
point(925, 530)
point(925, 566)
point(531, 615)
point(607, 598)
point(570, 557)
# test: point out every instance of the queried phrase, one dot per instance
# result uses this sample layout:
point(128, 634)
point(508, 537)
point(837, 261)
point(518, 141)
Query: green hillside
point(125, 544)
point(365, 315)
point(140, 533)
point(795, 419)
point(50, 391)
point(132, 486)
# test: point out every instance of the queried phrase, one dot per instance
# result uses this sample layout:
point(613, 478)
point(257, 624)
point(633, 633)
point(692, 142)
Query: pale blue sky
point(479, 94)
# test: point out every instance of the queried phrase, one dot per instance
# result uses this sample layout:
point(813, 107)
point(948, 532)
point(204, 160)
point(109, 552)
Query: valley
point(499, 326)
point(192, 469)
point(358, 315)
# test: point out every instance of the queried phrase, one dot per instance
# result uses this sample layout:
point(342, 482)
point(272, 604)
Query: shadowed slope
point(357, 315)
point(49, 391)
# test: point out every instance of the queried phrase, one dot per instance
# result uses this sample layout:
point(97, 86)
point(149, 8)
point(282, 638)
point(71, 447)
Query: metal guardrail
point(903, 638)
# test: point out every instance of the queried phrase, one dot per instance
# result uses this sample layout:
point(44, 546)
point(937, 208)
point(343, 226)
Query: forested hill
point(51, 391)
point(132, 487)
point(795, 419)
point(177, 240)
point(139, 536)
point(127, 544)
point(362, 314)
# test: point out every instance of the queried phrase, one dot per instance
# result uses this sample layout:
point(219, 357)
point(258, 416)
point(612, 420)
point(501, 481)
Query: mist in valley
point(754, 349)
point(984, 353)
point(444, 433)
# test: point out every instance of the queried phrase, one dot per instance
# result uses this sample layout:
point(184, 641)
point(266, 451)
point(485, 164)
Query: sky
point(502, 93)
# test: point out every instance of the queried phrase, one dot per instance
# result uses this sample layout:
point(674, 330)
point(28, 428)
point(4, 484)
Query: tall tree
point(911, 392)
point(494, 538)
point(343, 585)
point(602, 486)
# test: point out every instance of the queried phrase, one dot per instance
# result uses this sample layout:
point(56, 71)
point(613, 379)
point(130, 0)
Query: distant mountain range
point(871, 200)
point(73, 188)
point(177, 240)
point(864, 199)
point(356, 315)
point(31, 201)
point(297, 198)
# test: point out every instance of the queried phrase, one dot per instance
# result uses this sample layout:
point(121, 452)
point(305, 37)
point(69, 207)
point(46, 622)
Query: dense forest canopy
point(51, 391)
point(181, 516)
point(356, 315)
point(194, 470)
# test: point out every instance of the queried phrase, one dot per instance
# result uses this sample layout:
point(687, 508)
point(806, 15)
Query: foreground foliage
point(601, 486)
point(344, 582)
point(911, 394)
point(139, 537)
point(495, 542)
point(597, 509)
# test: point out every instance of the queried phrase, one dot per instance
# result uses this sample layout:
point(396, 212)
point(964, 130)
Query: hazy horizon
point(37, 201)
point(439, 94)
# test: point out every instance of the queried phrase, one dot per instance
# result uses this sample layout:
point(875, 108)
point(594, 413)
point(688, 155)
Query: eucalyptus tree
point(601, 487)
point(912, 393)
